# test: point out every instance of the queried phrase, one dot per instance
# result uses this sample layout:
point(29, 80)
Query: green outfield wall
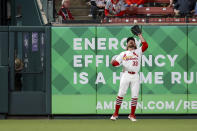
point(84, 82)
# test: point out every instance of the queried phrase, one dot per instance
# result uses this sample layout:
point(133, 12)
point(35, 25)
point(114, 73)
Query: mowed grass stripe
point(99, 125)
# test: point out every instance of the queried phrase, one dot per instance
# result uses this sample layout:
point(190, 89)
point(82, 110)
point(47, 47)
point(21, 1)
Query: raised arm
point(144, 43)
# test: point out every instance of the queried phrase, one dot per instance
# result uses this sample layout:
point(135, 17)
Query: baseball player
point(114, 8)
point(130, 60)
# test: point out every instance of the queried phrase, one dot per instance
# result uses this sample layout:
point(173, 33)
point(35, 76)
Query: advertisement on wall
point(84, 81)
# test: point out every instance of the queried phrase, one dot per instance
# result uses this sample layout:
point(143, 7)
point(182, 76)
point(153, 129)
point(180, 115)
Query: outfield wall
point(84, 82)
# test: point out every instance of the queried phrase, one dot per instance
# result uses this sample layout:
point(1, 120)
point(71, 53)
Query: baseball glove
point(136, 30)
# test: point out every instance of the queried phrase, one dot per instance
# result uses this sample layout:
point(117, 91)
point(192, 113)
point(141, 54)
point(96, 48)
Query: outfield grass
point(100, 125)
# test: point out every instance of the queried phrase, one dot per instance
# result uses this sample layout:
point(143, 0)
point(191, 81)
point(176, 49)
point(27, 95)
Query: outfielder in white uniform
point(130, 60)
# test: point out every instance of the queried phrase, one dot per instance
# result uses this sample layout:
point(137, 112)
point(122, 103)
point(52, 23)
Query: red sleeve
point(106, 12)
point(121, 13)
point(144, 46)
point(128, 2)
point(115, 63)
point(140, 2)
point(60, 13)
point(70, 15)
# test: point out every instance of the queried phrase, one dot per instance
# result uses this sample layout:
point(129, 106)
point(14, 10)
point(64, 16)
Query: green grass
point(99, 125)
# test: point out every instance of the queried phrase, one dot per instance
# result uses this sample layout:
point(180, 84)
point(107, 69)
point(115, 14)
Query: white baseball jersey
point(114, 8)
point(130, 60)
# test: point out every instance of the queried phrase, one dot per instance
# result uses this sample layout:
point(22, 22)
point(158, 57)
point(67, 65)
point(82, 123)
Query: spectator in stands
point(196, 9)
point(115, 8)
point(132, 5)
point(97, 8)
point(64, 12)
point(184, 7)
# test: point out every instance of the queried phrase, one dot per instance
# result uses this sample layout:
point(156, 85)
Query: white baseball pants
point(131, 80)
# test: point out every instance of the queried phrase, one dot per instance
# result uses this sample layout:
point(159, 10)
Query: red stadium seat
point(149, 20)
point(158, 1)
point(156, 20)
point(179, 20)
point(137, 20)
point(155, 11)
point(192, 20)
point(167, 20)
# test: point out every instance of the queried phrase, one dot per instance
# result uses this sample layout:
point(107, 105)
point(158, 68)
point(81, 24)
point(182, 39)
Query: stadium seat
point(149, 20)
point(155, 11)
point(158, 1)
point(167, 20)
point(157, 20)
point(137, 20)
point(192, 20)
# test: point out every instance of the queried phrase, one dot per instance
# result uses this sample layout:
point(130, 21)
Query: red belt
point(131, 72)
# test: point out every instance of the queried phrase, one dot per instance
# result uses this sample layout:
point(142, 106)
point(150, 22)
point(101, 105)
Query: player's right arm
point(118, 60)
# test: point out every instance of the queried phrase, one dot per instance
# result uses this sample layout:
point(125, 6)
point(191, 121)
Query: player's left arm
point(115, 63)
point(118, 60)
point(144, 43)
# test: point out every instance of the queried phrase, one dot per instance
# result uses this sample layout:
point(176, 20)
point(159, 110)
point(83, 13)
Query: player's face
point(131, 44)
